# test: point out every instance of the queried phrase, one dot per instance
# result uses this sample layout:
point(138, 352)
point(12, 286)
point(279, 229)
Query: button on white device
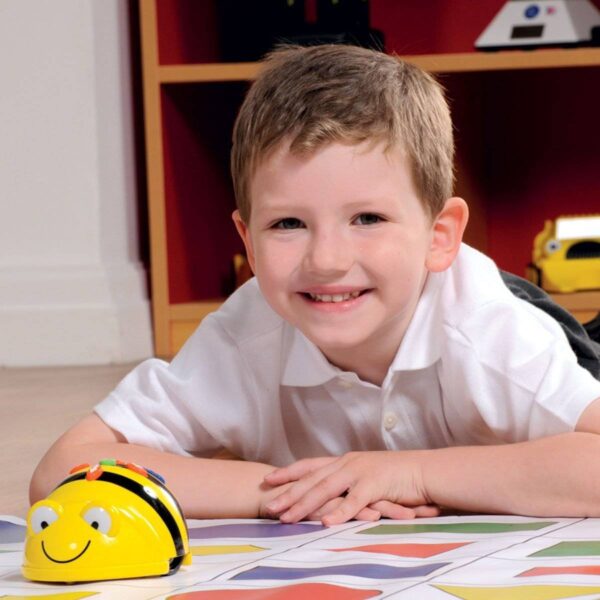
point(390, 420)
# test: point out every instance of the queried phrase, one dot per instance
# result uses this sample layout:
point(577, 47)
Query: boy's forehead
point(368, 170)
point(284, 159)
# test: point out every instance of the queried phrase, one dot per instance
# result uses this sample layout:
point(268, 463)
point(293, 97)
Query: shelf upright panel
point(155, 177)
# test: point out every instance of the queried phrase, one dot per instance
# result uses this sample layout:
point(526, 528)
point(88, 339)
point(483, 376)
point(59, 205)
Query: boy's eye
point(368, 219)
point(288, 223)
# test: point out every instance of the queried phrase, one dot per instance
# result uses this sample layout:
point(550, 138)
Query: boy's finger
point(365, 514)
point(312, 490)
point(368, 514)
point(293, 495)
point(392, 510)
point(316, 494)
point(350, 508)
point(323, 510)
point(290, 499)
point(296, 470)
point(427, 510)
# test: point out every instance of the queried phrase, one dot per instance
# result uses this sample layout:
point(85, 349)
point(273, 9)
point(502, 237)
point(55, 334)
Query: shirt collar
point(304, 364)
point(422, 341)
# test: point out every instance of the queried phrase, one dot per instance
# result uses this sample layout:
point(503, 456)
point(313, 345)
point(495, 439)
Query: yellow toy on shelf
point(115, 520)
point(566, 255)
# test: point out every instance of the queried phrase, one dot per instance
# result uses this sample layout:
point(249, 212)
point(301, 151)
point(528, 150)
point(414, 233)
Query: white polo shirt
point(476, 366)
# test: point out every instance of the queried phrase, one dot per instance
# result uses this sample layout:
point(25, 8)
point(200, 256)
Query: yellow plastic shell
point(565, 265)
point(109, 522)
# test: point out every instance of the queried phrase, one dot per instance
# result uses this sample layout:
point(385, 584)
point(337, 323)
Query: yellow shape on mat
point(519, 592)
point(208, 550)
point(60, 596)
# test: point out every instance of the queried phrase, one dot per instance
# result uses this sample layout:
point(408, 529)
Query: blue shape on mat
point(370, 571)
point(252, 530)
point(11, 532)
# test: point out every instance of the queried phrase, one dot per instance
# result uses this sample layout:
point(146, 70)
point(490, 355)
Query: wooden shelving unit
point(435, 63)
point(177, 134)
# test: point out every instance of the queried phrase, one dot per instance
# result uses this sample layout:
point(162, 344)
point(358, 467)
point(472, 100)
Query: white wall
point(72, 290)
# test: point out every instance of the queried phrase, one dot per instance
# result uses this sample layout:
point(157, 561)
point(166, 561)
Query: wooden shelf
point(208, 72)
point(187, 128)
point(184, 318)
point(435, 63)
point(585, 306)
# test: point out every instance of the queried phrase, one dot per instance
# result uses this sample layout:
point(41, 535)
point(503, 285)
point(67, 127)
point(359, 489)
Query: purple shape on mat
point(252, 530)
point(11, 532)
point(368, 570)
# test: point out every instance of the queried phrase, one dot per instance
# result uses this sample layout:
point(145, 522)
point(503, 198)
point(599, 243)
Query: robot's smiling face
point(109, 522)
point(65, 537)
point(82, 526)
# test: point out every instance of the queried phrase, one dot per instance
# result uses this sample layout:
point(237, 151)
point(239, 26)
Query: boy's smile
point(334, 298)
point(340, 243)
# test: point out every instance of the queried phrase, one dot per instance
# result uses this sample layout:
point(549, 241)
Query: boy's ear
point(447, 232)
point(244, 232)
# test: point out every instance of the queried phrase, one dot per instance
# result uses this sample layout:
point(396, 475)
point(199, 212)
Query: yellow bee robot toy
point(112, 521)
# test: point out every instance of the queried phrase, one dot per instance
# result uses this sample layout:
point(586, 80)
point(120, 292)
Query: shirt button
point(390, 420)
point(345, 383)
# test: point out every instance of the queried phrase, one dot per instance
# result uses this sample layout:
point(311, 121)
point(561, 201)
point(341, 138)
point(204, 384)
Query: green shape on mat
point(456, 528)
point(583, 548)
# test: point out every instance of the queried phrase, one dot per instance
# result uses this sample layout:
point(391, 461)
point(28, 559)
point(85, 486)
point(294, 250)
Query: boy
point(372, 343)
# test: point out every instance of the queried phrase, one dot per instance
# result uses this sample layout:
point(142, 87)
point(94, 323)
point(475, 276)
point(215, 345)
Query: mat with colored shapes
point(467, 557)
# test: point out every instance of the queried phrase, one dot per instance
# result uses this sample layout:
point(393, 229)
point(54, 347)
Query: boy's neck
point(370, 365)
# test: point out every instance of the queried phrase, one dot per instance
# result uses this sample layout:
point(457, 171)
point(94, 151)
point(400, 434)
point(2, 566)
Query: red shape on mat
point(300, 591)
point(409, 550)
point(576, 570)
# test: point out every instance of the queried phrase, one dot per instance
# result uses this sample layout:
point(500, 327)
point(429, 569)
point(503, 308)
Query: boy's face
point(339, 242)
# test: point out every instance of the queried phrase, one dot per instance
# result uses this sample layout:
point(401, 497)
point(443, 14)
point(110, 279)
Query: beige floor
point(36, 406)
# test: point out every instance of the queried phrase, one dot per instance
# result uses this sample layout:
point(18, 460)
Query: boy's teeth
point(334, 297)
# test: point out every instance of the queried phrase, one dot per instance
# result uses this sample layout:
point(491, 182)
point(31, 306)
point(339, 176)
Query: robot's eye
point(98, 518)
point(552, 246)
point(42, 517)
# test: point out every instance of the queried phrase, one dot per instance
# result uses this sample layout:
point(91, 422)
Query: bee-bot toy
point(111, 521)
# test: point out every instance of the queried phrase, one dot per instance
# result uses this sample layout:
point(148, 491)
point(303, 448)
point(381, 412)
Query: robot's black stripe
point(138, 489)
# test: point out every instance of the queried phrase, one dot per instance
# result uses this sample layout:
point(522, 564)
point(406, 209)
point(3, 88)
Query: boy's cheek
point(276, 261)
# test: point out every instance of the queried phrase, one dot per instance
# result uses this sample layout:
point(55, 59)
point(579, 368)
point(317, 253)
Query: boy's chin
point(335, 342)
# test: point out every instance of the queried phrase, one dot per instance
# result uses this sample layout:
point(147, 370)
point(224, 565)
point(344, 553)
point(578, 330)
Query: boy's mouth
point(343, 297)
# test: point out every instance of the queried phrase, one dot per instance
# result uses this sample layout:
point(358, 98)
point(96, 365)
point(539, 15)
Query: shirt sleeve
point(519, 373)
point(192, 406)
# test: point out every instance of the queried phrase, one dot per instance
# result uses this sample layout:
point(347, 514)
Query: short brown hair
point(311, 96)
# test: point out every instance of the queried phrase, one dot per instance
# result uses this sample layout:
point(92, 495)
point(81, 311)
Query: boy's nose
point(328, 255)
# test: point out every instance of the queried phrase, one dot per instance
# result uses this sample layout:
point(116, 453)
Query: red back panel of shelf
point(189, 29)
point(533, 137)
point(541, 141)
point(201, 238)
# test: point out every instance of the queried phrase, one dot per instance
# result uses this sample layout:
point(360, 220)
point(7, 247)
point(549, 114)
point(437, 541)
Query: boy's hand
point(272, 491)
point(357, 485)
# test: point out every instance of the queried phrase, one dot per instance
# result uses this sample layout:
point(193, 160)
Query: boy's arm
point(205, 488)
point(552, 476)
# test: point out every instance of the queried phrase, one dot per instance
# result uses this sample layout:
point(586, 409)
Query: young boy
point(372, 343)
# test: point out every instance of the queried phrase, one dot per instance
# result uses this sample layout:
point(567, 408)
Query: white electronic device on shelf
point(539, 23)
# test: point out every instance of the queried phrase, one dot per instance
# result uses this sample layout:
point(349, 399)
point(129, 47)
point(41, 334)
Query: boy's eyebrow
point(361, 204)
point(366, 202)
